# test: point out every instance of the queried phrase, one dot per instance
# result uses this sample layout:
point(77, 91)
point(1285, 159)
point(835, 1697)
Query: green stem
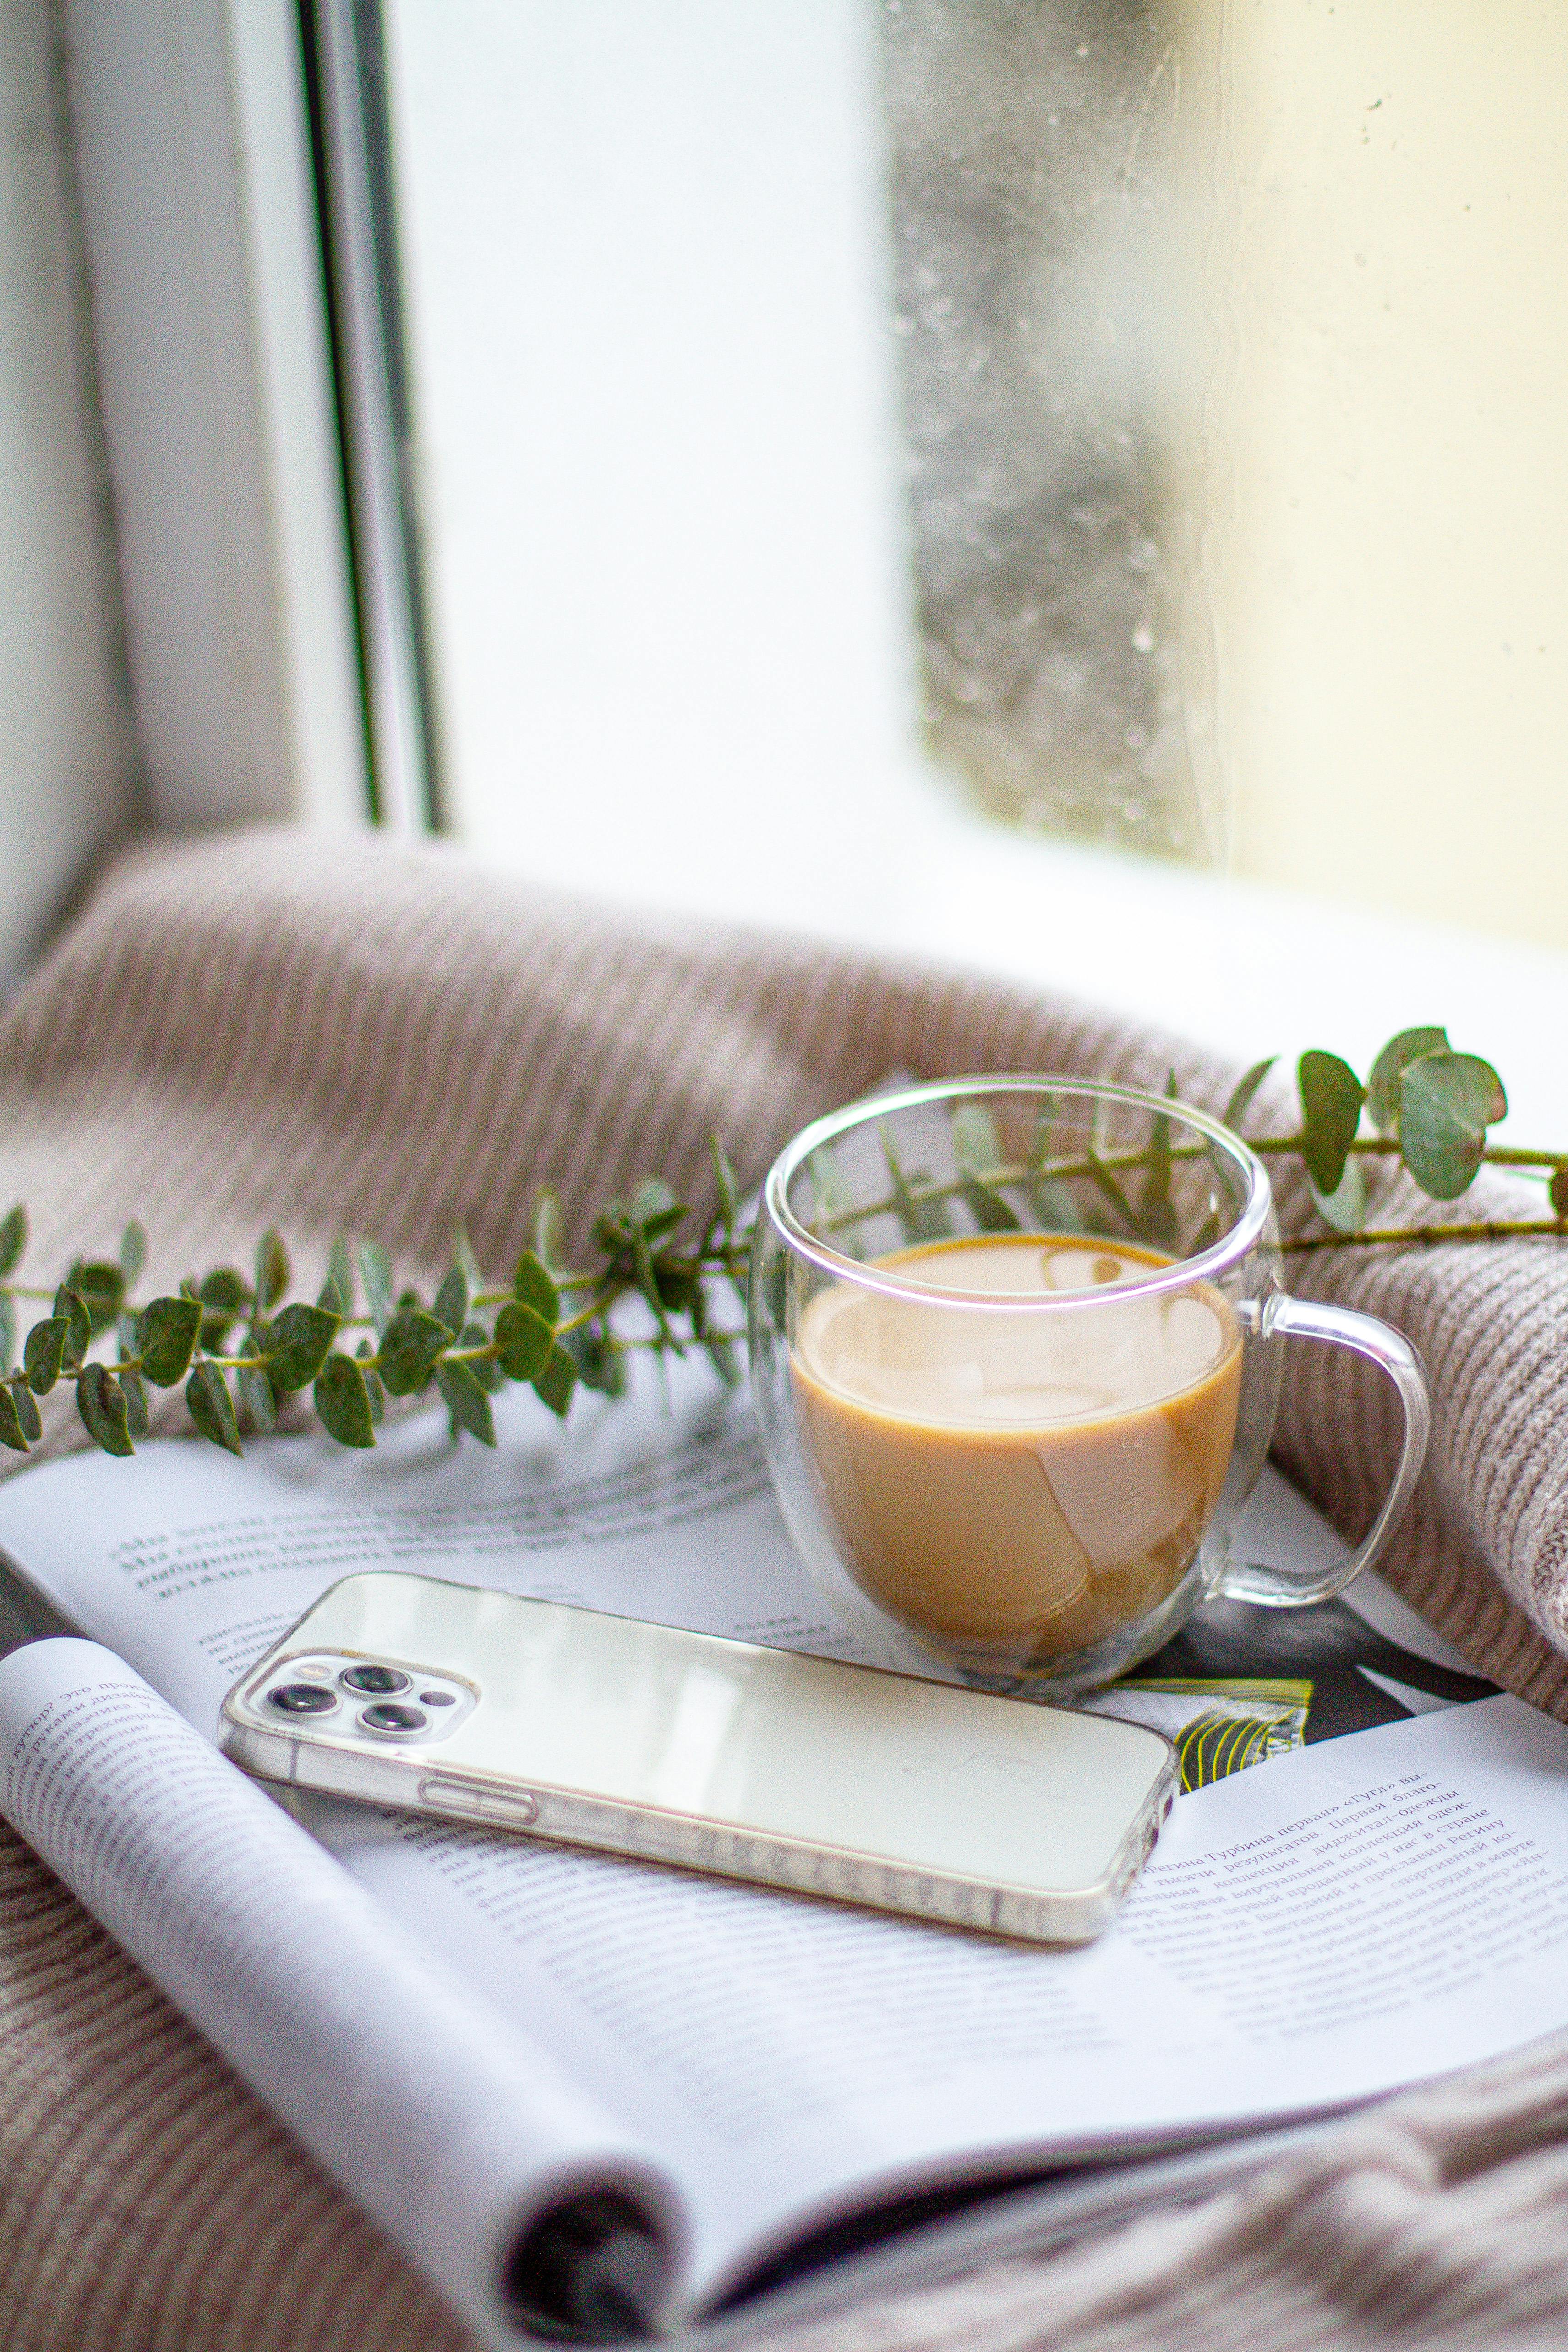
point(1500, 1155)
point(1491, 1230)
point(1095, 1166)
point(661, 1346)
point(586, 1314)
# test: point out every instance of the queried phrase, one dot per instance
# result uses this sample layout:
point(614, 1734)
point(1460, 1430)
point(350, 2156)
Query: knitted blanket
point(270, 1028)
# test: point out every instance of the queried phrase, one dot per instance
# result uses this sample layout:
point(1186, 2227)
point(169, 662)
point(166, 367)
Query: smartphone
point(796, 1771)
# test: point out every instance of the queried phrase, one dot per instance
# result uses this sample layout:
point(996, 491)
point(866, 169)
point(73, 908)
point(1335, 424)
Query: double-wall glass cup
point(1016, 1347)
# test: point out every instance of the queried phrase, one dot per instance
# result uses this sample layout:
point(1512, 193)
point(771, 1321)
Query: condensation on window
point(1032, 156)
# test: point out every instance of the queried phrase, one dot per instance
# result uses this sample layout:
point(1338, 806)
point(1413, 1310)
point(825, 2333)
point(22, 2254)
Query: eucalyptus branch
point(241, 1349)
point(1492, 1229)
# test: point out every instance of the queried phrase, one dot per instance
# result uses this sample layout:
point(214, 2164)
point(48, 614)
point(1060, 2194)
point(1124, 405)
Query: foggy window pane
point(1031, 202)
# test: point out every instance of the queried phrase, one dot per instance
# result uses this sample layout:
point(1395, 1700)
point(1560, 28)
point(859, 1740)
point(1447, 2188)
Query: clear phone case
point(800, 1772)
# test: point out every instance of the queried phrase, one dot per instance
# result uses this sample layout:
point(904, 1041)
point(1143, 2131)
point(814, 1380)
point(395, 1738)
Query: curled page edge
point(415, 2094)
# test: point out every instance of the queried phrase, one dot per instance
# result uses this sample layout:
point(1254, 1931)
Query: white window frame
point(199, 222)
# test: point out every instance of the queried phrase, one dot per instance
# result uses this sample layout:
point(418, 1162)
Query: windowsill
point(1247, 969)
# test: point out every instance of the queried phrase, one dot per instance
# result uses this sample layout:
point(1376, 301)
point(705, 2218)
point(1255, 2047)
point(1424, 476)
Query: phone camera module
point(302, 1698)
point(393, 1722)
point(382, 1680)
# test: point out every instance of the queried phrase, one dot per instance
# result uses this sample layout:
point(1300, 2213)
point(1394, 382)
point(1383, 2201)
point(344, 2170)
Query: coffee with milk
point(1035, 1481)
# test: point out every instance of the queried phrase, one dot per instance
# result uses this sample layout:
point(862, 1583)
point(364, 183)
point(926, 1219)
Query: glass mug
point(1016, 1351)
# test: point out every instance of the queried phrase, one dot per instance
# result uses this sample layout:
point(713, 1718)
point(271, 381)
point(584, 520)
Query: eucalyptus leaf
point(654, 1207)
point(525, 1339)
point(485, 1368)
point(1446, 1102)
point(257, 1398)
point(832, 1196)
point(297, 1343)
point(467, 1402)
point(101, 1405)
point(1344, 1208)
point(44, 1353)
point(599, 1363)
point(336, 1292)
point(1383, 1082)
point(28, 1412)
point(376, 1273)
point(7, 1330)
point(133, 1389)
point(647, 1280)
point(532, 1286)
point(166, 1333)
point(680, 1285)
point(977, 1152)
point(1112, 1195)
point(452, 1303)
point(224, 1292)
point(99, 1284)
point(411, 1347)
point(549, 1228)
point(342, 1401)
point(922, 1219)
point(133, 1254)
point(975, 1146)
point(1157, 1216)
point(467, 1263)
point(553, 1386)
point(225, 1295)
point(375, 1388)
point(1243, 1092)
point(724, 1186)
point(272, 1271)
point(211, 1407)
point(611, 1230)
point(1056, 1205)
point(1332, 1097)
point(988, 1208)
point(12, 1237)
point(11, 1432)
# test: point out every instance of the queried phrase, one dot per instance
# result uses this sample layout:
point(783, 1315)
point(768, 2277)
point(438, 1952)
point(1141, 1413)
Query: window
point(769, 430)
point(1152, 403)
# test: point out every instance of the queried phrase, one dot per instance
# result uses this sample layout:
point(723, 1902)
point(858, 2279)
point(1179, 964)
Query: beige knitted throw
point(268, 1027)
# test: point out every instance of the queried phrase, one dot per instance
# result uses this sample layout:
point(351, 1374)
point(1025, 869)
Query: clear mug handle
point(1278, 1587)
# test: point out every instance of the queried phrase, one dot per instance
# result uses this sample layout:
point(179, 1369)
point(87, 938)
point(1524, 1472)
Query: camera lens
point(397, 1720)
point(302, 1698)
point(383, 1679)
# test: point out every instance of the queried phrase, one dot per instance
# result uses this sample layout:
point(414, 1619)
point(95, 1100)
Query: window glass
point(1140, 418)
point(646, 280)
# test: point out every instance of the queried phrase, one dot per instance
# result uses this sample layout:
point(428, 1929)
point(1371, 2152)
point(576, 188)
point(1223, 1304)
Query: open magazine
point(475, 2031)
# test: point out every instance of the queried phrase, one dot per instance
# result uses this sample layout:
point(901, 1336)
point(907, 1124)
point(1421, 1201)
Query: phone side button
point(446, 1794)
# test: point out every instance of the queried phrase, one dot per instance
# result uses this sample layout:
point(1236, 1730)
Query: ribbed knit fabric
point(268, 1028)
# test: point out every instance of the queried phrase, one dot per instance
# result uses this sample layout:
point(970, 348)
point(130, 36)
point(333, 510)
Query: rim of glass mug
point(1247, 1234)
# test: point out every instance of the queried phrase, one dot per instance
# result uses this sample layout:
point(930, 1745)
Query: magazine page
point(450, 2131)
point(1362, 1912)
